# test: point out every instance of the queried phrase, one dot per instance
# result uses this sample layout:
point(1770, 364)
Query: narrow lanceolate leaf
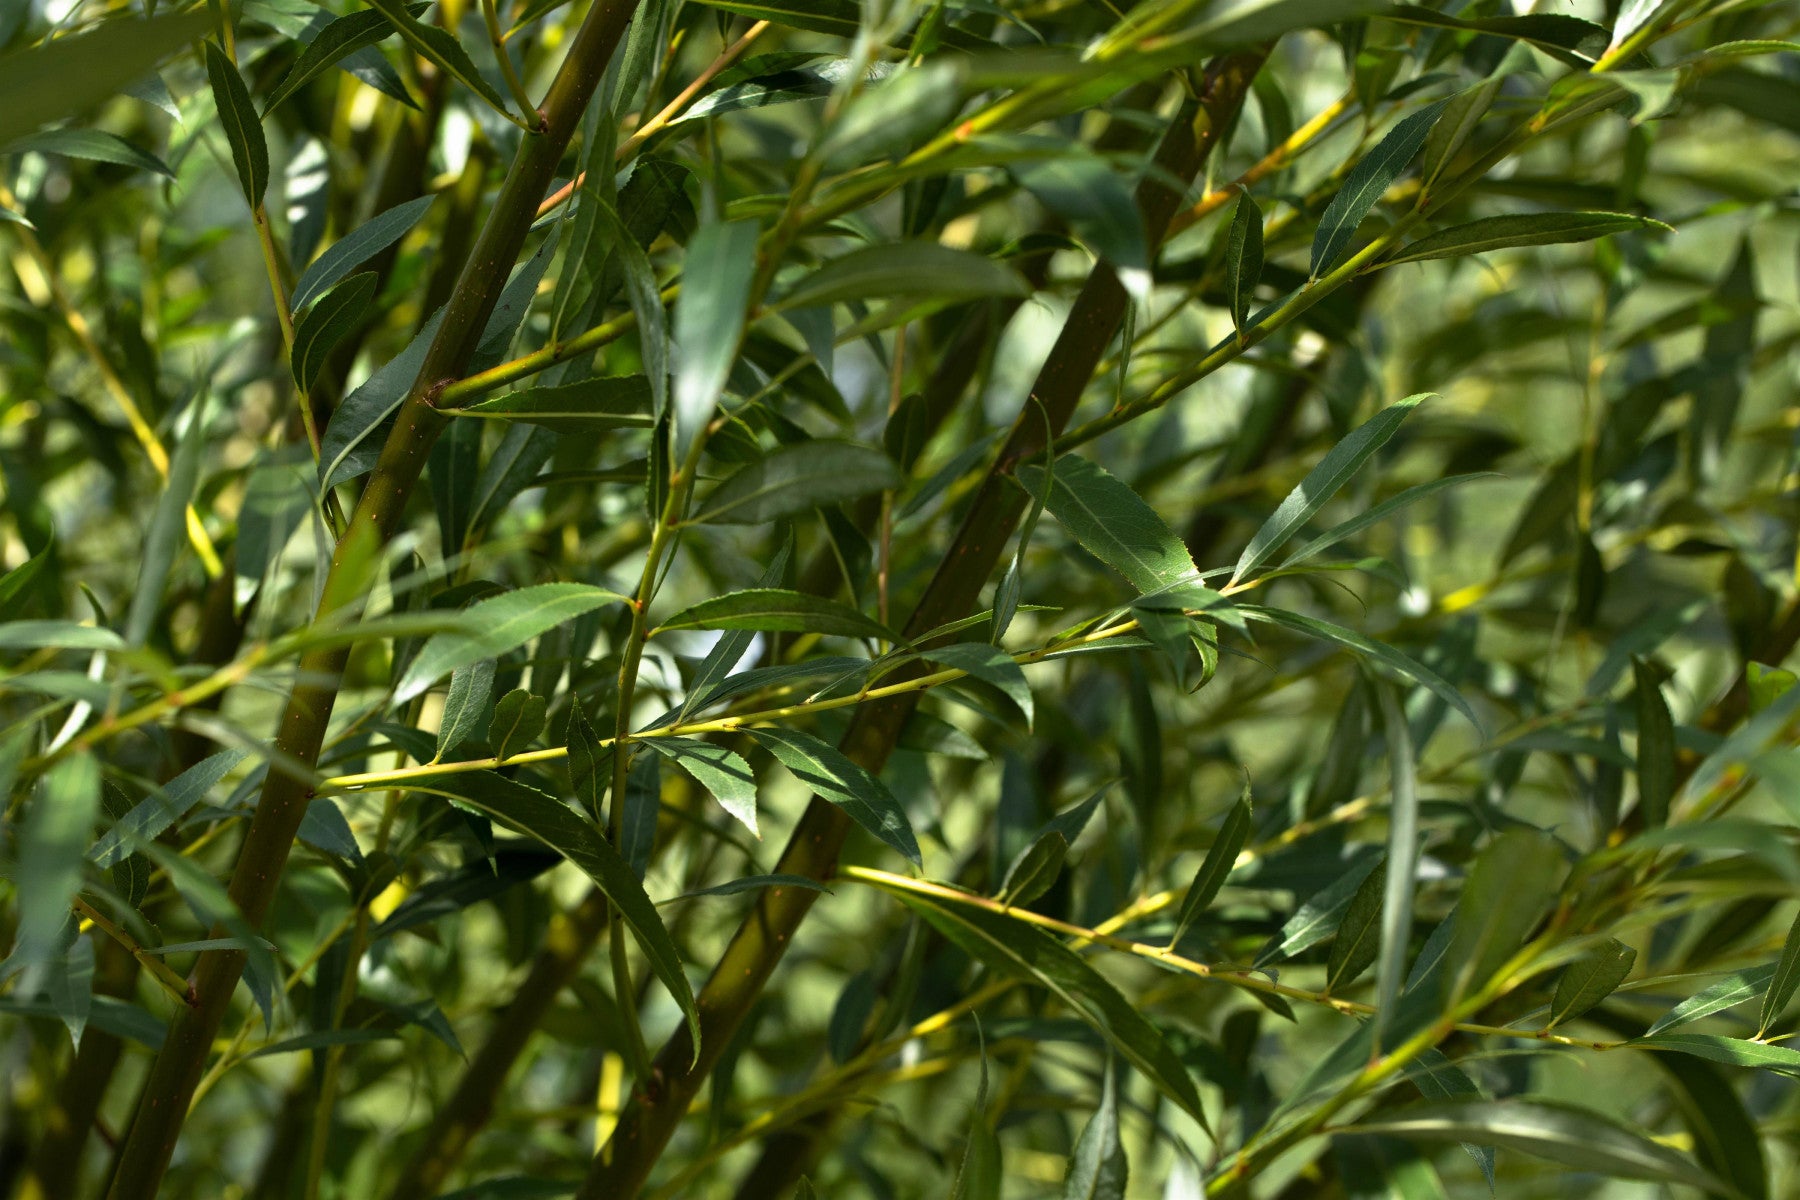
point(1035, 870)
point(1656, 746)
point(991, 665)
point(58, 824)
point(1221, 857)
point(57, 635)
point(442, 48)
point(709, 321)
point(530, 812)
point(589, 762)
point(325, 324)
point(1512, 884)
point(1363, 187)
point(357, 247)
point(590, 406)
point(471, 688)
point(834, 777)
point(795, 479)
point(1733, 1052)
point(1571, 1136)
point(1729, 992)
point(498, 624)
point(1590, 979)
point(1098, 1168)
point(1528, 229)
point(1323, 482)
point(93, 144)
point(167, 532)
point(518, 719)
point(1783, 983)
point(151, 817)
point(68, 75)
point(726, 775)
point(1243, 258)
point(1097, 205)
point(1023, 951)
point(1111, 522)
point(243, 127)
point(903, 270)
point(1379, 513)
point(1377, 652)
point(1403, 851)
point(777, 610)
point(1358, 937)
point(344, 36)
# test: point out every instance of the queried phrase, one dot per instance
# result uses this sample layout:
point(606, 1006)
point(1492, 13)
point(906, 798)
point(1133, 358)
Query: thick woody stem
point(623, 1165)
point(179, 1064)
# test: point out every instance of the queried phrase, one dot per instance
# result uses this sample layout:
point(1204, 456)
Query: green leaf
point(709, 321)
point(326, 323)
point(466, 703)
point(1729, 992)
point(1014, 948)
point(1221, 857)
point(92, 144)
point(1098, 207)
point(66, 76)
point(1111, 522)
point(1569, 39)
point(358, 246)
point(776, 610)
point(1364, 186)
point(518, 719)
point(530, 812)
point(1514, 881)
point(834, 777)
point(1035, 869)
point(1766, 684)
point(1526, 229)
point(750, 883)
point(1735, 1052)
point(795, 479)
point(57, 635)
point(1098, 1169)
point(442, 48)
point(1315, 920)
point(343, 36)
point(1462, 114)
point(1379, 513)
point(1590, 979)
point(1402, 867)
point(1323, 482)
point(53, 838)
point(498, 624)
point(16, 585)
point(1571, 1136)
point(243, 127)
point(727, 776)
point(1783, 983)
point(905, 270)
point(1243, 258)
point(322, 1038)
point(887, 120)
point(991, 665)
point(1376, 652)
point(1656, 746)
point(591, 406)
point(164, 807)
point(589, 763)
point(1358, 937)
point(167, 532)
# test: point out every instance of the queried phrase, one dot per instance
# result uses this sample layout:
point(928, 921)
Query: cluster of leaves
point(1265, 529)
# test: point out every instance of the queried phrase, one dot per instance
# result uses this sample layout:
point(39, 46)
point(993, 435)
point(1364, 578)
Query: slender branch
point(497, 39)
point(178, 1065)
point(622, 1167)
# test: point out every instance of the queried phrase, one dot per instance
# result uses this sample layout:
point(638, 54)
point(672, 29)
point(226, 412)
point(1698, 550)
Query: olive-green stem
point(620, 1170)
point(178, 1065)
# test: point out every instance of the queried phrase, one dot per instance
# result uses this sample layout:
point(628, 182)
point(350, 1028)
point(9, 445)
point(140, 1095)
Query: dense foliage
point(923, 598)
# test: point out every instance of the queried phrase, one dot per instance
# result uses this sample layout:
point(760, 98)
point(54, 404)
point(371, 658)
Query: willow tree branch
point(622, 1166)
point(178, 1065)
